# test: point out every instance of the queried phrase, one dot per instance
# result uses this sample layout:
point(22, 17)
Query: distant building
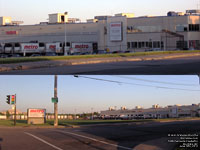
point(12, 112)
point(127, 15)
point(175, 111)
point(58, 18)
point(102, 17)
point(7, 21)
point(74, 20)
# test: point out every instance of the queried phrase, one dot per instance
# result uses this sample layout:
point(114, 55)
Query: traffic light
point(12, 99)
point(8, 99)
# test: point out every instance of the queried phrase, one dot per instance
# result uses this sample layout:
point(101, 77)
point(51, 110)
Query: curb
point(32, 127)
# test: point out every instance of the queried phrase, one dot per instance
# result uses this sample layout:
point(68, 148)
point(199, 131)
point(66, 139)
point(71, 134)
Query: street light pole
point(65, 45)
point(56, 103)
point(92, 114)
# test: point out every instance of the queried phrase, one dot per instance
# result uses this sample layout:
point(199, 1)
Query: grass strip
point(71, 57)
point(10, 123)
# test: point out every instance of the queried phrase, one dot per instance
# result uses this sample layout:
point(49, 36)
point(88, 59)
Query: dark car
point(3, 56)
point(50, 54)
point(14, 55)
point(35, 55)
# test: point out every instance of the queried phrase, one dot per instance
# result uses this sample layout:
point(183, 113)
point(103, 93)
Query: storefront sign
point(116, 31)
point(36, 113)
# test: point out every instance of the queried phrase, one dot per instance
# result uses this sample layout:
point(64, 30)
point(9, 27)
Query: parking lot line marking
point(43, 141)
point(93, 139)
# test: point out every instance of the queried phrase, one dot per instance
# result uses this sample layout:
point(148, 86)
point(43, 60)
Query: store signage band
point(11, 32)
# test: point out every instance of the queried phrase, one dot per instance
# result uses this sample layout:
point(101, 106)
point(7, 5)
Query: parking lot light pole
point(65, 45)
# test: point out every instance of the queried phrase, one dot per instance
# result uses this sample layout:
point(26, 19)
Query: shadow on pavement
point(0, 143)
point(150, 136)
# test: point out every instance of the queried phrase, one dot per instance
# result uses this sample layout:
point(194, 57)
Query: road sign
point(54, 100)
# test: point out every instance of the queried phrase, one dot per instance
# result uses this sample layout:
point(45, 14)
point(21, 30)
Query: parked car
point(3, 56)
point(102, 52)
point(35, 55)
point(50, 54)
point(14, 55)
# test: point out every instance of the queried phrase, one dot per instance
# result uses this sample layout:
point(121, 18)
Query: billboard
point(116, 31)
point(53, 47)
point(36, 113)
point(30, 47)
point(82, 47)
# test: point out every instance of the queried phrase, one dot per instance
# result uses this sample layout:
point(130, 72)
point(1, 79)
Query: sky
point(84, 95)
point(35, 11)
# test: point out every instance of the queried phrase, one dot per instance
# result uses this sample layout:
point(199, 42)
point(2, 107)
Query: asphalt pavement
point(147, 66)
point(128, 136)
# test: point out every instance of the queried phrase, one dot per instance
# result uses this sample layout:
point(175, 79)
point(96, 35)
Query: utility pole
point(199, 78)
point(15, 110)
point(56, 103)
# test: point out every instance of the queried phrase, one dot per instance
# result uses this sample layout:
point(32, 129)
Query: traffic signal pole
point(56, 103)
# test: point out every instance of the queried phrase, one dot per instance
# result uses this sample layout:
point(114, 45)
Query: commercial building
point(156, 111)
point(122, 32)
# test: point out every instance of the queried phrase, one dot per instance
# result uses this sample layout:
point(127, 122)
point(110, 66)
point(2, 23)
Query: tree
point(8, 114)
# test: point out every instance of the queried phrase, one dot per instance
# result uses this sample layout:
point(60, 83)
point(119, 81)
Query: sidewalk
point(47, 64)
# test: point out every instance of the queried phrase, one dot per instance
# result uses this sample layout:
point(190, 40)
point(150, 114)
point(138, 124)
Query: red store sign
point(11, 32)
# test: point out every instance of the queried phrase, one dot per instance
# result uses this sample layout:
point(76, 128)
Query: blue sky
point(35, 11)
point(82, 94)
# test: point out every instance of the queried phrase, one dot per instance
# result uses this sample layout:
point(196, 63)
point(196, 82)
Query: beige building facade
point(122, 32)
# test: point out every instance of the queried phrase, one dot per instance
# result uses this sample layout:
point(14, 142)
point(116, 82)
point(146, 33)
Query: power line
point(153, 81)
point(120, 82)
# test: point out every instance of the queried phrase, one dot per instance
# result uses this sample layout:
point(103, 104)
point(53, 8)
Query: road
point(176, 66)
point(137, 136)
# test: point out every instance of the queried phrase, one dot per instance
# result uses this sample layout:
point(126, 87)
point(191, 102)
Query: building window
point(181, 44)
point(139, 44)
point(156, 44)
point(193, 27)
point(134, 44)
point(185, 29)
point(162, 44)
point(181, 28)
point(194, 44)
point(143, 45)
point(150, 45)
point(128, 45)
point(17, 45)
point(146, 44)
point(41, 45)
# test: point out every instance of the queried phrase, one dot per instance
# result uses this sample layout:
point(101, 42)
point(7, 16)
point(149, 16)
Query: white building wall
point(149, 29)
point(172, 112)
point(51, 33)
